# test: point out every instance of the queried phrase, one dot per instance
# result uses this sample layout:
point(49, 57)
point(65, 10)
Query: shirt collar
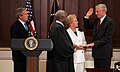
point(21, 22)
point(101, 20)
point(60, 22)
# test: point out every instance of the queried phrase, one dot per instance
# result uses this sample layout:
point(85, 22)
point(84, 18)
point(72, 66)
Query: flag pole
point(32, 61)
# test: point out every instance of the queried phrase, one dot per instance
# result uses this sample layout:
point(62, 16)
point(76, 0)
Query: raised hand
point(90, 12)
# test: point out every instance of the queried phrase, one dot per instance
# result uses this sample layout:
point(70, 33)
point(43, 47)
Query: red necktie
point(98, 25)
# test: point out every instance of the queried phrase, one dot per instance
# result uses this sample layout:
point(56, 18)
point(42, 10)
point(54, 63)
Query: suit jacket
point(60, 59)
point(102, 37)
point(77, 40)
point(18, 31)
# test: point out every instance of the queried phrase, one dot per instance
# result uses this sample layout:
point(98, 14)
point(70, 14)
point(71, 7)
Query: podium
point(32, 53)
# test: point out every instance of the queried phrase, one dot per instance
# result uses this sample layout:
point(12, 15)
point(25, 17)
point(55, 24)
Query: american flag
point(55, 8)
point(28, 7)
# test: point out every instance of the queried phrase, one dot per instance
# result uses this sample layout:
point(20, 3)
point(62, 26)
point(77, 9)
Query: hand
point(90, 45)
point(74, 46)
point(85, 47)
point(79, 47)
point(90, 12)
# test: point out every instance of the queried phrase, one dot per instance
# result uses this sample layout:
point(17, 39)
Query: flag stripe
point(30, 16)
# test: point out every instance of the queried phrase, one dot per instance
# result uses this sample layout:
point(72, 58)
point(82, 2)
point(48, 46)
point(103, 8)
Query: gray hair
point(19, 11)
point(60, 13)
point(102, 6)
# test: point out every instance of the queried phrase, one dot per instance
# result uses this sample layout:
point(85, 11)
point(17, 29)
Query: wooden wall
point(42, 12)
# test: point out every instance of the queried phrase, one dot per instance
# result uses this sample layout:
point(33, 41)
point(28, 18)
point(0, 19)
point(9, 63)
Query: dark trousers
point(19, 66)
point(102, 63)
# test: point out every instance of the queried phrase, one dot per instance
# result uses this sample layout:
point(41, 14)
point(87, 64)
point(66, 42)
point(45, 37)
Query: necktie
point(98, 25)
point(26, 27)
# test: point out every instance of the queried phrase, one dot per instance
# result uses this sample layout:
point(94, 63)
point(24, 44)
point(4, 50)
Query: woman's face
point(74, 22)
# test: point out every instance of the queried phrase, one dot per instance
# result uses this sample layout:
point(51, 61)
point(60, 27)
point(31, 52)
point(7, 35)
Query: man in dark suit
point(19, 30)
point(60, 59)
point(103, 28)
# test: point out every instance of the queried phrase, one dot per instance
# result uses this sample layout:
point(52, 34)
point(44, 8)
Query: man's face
point(64, 19)
point(99, 12)
point(24, 16)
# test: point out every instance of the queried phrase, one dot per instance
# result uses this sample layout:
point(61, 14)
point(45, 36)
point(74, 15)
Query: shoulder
point(58, 26)
point(107, 18)
point(109, 21)
point(16, 24)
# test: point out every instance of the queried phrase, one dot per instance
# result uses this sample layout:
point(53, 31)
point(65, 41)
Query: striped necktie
point(26, 27)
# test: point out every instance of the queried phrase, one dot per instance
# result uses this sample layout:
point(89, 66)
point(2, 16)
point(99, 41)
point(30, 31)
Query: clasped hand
point(83, 47)
point(78, 47)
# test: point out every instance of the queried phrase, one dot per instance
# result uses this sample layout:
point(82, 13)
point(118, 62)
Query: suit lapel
point(22, 27)
point(96, 30)
point(101, 26)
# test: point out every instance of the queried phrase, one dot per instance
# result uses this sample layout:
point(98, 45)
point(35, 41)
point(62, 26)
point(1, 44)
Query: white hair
point(60, 13)
point(102, 6)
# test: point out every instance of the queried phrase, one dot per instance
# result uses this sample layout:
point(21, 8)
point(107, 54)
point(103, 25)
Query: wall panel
point(42, 10)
